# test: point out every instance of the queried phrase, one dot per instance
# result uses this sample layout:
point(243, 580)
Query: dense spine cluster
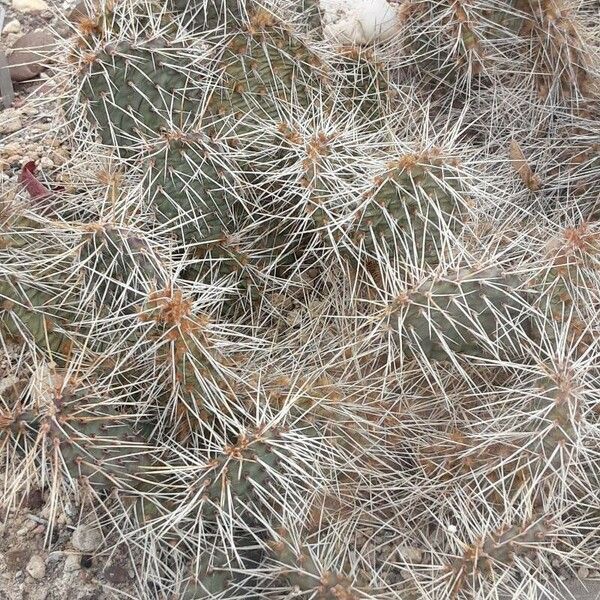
point(316, 320)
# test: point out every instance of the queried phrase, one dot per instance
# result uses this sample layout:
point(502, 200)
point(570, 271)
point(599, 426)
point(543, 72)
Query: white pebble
point(29, 6)
point(583, 572)
point(359, 21)
point(13, 26)
point(46, 163)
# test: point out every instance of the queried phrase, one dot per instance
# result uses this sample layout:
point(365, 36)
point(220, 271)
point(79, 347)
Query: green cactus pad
point(84, 437)
point(191, 188)
point(301, 570)
point(210, 15)
point(242, 469)
point(135, 91)
point(183, 361)
point(119, 266)
point(448, 38)
point(411, 207)
point(459, 314)
point(35, 312)
point(264, 68)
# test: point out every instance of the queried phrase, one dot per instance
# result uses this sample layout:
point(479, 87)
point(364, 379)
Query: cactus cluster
point(300, 306)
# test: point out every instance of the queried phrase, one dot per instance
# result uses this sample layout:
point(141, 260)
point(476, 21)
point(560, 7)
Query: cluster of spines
point(259, 160)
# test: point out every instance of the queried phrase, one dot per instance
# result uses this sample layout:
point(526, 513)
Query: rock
point(13, 26)
point(34, 499)
point(30, 6)
point(55, 556)
point(8, 382)
point(72, 563)
point(583, 572)
point(86, 539)
point(10, 122)
point(16, 559)
point(30, 54)
point(21, 532)
point(36, 567)
point(360, 21)
point(115, 574)
point(410, 555)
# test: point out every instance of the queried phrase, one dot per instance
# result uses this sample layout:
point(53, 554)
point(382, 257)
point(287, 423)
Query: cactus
point(412, 203)
point(79, 434)
point(35, 312)
point(463, 313)
point(130, 92)
point(119, 266)
point(177, 349)
point(453, 39)
point(298, 299)
point(244, 488)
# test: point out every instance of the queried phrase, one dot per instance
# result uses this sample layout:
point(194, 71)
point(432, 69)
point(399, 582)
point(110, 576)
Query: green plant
point(295, 295)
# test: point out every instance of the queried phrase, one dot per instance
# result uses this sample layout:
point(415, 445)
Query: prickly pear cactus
point(314, 317)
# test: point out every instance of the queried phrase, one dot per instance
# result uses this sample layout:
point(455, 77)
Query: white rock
point(46, 163)
point(10, 121)
point(29, 6)
point(36, 567)
point(13, 26)
point(359, 21)
point(86, 539)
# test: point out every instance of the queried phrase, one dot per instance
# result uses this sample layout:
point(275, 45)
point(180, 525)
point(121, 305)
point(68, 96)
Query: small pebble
point(36, 567)
point(410, 555)
point(46, 163)
point(86, 539)
point(10, 149)
point(55, 556)
point(29, 6)
point(21, 532)
point(583, 572)
point(13, 26)
point(72, 563)
point(10, 122)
